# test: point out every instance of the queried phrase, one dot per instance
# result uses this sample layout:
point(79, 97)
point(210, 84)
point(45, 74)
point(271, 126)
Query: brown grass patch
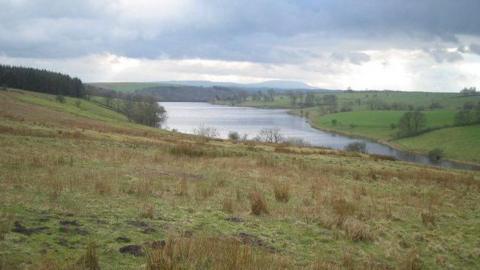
point(356, 230)
point(212, 253)
point(227, 205)
point(258, 203)
point(281, 191)
point(103, 187)
point(410, 261)
point(6, 221)
point(182, 187)
point(428, 217)
point(342, 209)
point(148, 211)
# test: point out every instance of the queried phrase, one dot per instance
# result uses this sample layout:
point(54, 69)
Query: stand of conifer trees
point(40, 81)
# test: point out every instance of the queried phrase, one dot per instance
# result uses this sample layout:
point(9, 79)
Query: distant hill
point(201, 91)
point(273, 84)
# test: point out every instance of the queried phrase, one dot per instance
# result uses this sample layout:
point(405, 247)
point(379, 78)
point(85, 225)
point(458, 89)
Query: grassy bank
point(76, 178)
point(458, 143)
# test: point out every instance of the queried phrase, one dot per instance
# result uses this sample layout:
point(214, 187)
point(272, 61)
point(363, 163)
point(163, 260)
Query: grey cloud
point(269, 31)
point(475, 48)
point(442, 55)
point(356, 58)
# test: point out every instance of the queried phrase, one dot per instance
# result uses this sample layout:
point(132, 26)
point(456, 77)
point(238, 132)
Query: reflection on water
point(187, 116)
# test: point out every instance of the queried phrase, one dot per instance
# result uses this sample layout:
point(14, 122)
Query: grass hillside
point(82, 188)
point(125, 86)
point(460, 143)
point(375, 124)
point(359, 100)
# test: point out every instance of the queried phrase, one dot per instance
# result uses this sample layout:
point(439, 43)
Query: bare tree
point(270, 135)
point(204, 131)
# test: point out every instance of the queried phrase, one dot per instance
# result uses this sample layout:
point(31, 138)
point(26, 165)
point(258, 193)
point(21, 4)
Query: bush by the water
point(360, 147)
point(436, 154)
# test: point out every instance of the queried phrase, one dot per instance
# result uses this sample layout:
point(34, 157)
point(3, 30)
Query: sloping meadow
point(111, 195)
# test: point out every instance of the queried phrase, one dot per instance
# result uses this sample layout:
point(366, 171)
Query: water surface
point(185, 117)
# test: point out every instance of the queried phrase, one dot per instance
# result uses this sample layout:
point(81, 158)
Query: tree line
point(139, 108)
point(40, 80)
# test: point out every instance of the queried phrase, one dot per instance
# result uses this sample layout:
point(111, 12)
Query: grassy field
point(125, 86)
point(359, 100)
point(460, 143)
point(374, 124)
point(81, 187)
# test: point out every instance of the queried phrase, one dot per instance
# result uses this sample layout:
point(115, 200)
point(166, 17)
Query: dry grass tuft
point(267, 161)
point(356, 230)
point(428, 217)
point(143, 187)
point(89, 261)
point(204, 190)
point(211, 253)
point(103, 187)
point(342, 209)
point(47, 263)
point(411, 261)
point(148, 211)
point(227, 205)
point(281, 191)
point(182, 188)
point(258, 204)
point(55, 188)
point(6, 222)
point(187, 150)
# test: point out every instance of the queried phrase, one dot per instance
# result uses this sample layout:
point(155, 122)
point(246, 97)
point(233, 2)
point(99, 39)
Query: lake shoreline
point(386, 143)
point(356, 136)
point(251, 120)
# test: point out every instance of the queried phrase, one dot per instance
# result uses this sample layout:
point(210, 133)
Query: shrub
point(435, 154)
point(234, 136)
point(258, 204)
point(281, 191)
point(334, 122)
point(411, 123)
point(270, 135)
point(360, 147)
point(206, 132)
point(293, 141)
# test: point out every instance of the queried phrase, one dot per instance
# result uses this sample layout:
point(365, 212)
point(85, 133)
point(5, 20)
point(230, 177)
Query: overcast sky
point(429, 45)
